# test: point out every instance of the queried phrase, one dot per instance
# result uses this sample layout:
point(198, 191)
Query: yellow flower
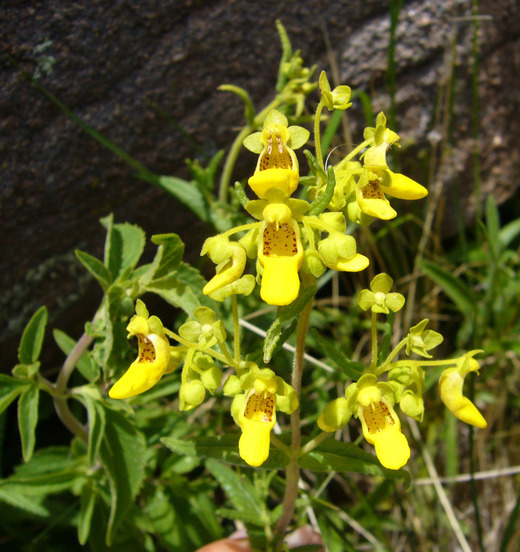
point(280, 254)
point(451, 383)
point(258, 394)
point(382, 428)
point(277, 165)
point(257, 419)
point(375, 182)
point(152, 360)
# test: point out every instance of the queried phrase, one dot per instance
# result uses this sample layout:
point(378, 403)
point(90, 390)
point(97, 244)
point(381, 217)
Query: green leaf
point(239, 489)
point(89, 371)
point(96, 426)
point(122, 453)
point(187, 193)
point(23, 502)
point(32, 338)
point(493, 226)
point(123, 247)
point(183, 288)
point(241, 515)
point(10, 388)
point(96, 268)
point(168, 257)
point(509, 232)
point(27, 420)
point(86, 510)
point(249, 110)
point(223, 448)
point(339, 456)
point(350, 368)
point(454, 288)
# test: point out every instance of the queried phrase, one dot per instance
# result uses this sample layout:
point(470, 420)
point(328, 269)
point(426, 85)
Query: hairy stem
point(292, 471)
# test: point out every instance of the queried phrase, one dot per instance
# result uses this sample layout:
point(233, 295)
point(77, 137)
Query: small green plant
point(152, 438)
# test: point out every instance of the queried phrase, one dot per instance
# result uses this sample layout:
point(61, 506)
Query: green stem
point(195, 346)
point(230, 163)
point(292, 471)
point(374, 340)
point(354, 152)
point(287, 450)
point(391, 357)
point(236, 328)
point(317, 137)
point(60, 403)
point(313, 443)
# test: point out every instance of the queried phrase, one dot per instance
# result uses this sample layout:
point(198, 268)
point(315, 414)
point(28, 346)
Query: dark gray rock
point(116, 63)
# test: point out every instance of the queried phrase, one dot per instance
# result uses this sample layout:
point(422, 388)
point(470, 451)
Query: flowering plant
point(134, 420)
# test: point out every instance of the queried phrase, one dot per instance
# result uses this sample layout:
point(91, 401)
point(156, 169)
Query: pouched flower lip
point(280, 253)
point(151, 363)
point(258, 394)
point(451, 385)
point(231, 271)
point(382, 428)
point(257, 419)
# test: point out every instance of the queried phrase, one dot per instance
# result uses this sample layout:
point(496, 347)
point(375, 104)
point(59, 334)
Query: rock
point(145, 74)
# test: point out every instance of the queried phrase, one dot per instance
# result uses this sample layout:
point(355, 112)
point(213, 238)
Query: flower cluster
point(373, 401)
point(294, 242)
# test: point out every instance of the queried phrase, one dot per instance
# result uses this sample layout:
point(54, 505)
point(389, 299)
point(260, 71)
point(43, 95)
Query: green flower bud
point(335, 221)
point(191, 394)
point(312, 263)
point(250, 243)
point(218, 248)
point(211, 379)
point(412, 405)
point(233, 386)
point(336, 246)
point(335, 415)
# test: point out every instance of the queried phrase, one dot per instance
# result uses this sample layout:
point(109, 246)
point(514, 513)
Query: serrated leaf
point(339, 456)
point(183, 289)
point(96, 268)
point(352, 369)
point(10, 388)
point(454, 288)
point(123, 247)
point(168, 256)
point(85, 367)
point(239, 490)
point(122, 454)
point(32, 338)
point(223, 448)
point(27, 419)
point(187, 193)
